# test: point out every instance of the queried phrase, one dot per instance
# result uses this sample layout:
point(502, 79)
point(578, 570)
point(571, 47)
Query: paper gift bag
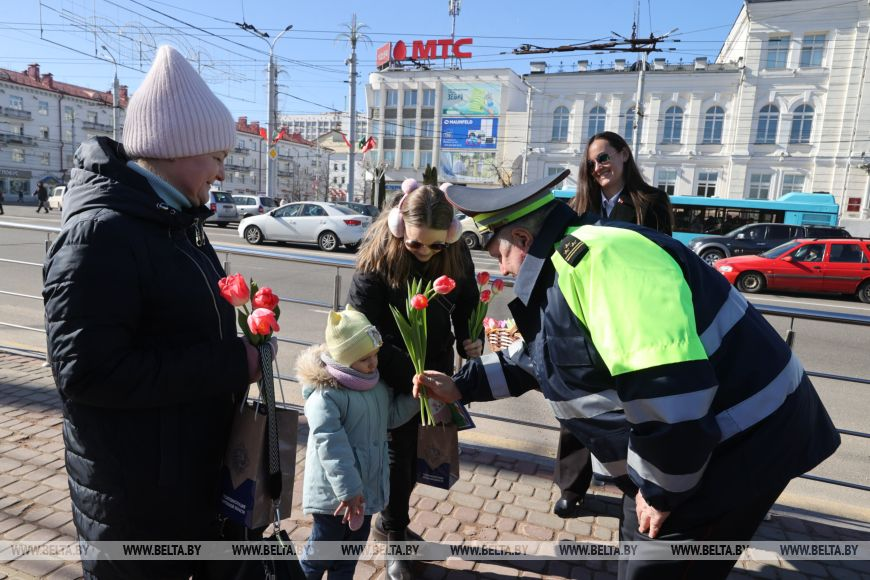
point(438, 455)
point(245, 496)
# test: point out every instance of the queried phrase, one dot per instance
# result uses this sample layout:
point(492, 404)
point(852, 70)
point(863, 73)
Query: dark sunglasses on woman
point(600, 159)
point(435, 247)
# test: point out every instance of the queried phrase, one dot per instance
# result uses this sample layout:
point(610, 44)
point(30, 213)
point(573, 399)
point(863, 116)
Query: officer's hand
point(648, 517)
point(472, 349)
point(437, 385)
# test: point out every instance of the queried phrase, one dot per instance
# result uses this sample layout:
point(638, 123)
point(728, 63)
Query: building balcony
point(94, 126)
point(18, 140)
point(284, 173)
point(13, 113)
point(233, 167)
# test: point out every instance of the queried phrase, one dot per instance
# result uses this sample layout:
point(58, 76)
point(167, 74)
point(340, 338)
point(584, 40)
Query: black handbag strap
point(267, 390)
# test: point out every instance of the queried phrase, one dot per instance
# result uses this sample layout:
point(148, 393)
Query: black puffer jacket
point(372, 295)
point(144, 352)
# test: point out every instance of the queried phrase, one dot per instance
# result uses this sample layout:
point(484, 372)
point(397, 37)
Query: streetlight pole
point(271, 101)
point(353, 35)
point(115, 103)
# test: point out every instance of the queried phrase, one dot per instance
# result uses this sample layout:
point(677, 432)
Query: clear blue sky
point(64, 35)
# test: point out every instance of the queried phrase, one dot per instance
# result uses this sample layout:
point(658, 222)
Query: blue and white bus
point(697, 216)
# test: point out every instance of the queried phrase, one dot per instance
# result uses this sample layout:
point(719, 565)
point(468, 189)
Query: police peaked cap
point(494, 208)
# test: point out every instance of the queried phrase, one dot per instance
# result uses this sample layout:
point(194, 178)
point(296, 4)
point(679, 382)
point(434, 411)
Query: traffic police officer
point(652, 360)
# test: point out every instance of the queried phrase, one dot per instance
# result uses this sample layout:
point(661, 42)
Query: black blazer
point(658, 215)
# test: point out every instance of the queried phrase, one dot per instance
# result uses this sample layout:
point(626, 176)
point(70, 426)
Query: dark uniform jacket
point(700, 435)
point(657, 217)
point(144, 353)
point(371, 294)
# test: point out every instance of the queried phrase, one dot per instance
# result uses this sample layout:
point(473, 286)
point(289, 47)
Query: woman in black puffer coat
point(142, 346)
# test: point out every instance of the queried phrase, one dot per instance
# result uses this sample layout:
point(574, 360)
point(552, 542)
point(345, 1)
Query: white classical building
point(42, 123)
point(781, 109)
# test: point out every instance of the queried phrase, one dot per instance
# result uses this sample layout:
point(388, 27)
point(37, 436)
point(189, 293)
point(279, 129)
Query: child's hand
point(353, 511)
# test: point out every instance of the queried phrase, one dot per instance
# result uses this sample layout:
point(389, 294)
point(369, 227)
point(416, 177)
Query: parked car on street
point(471, 235)
point(55, 200)
point(312, 222)
point(839, 265)
point(224, 208)
point(361, 208)
point(248, 205)
point(753, 239)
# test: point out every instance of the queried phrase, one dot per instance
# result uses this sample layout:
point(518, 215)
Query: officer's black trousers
point(573, 466)
point(736, 525)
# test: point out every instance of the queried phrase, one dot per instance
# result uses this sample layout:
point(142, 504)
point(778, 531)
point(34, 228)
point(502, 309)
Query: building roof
point(32, 78)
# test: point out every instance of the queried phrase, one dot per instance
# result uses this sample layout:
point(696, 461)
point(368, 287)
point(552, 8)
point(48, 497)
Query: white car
point(311, 222)
point(55, 200)
point(471, 235)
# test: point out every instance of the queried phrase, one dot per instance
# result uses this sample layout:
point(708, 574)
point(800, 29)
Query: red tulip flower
point(444, 285)
point(262, 321)
point(497, 286)
point(265, 298)
point(234, 290)
point(482, 278)
point(486, 296)
point(419, 302)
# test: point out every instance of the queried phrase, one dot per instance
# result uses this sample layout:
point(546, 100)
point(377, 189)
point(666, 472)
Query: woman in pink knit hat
point(143, 348)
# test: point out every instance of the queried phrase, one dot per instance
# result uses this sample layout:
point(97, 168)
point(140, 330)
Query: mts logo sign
point(423, 50)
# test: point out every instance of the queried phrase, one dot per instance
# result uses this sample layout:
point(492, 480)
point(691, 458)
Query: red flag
point(262, 133)
point(343, 136)
point(370, 144)
point(280, 134)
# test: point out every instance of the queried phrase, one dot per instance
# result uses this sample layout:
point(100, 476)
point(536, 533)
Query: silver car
point(312, 222)
point(224, 208)
point(249, 205)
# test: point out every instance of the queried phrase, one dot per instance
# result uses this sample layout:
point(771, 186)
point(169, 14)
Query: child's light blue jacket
point(347, 451)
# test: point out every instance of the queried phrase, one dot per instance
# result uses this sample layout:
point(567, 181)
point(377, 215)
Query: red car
point(837, 266)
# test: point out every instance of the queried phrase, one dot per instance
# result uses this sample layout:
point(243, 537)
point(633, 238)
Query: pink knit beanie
point(174, 114)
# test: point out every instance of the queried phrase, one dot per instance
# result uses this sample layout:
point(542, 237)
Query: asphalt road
point(822, 347)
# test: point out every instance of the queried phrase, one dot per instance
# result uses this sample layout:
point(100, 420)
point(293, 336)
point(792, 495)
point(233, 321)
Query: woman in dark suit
point(611, 186)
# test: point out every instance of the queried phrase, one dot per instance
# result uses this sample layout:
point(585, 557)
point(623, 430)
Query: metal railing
point(347, 264)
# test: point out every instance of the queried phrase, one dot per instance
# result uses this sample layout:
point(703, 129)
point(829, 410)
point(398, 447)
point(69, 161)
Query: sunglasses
point(415, 245)
point(600, 159)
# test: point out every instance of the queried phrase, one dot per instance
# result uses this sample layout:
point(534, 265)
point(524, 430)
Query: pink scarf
point(348, 377)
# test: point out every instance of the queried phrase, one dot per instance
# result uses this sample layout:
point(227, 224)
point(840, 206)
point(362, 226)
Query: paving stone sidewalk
point(501, 495)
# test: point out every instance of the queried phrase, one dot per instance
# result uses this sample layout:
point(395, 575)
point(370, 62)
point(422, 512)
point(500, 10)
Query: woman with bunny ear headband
point(417, 238)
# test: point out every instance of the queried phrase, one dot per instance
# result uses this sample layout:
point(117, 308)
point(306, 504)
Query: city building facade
point(469, 124)
point(301, 166)
point(42, 123)
point(312, 126)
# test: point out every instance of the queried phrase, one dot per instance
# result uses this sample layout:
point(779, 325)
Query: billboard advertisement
point(467, 167)
point(471, 99)
point(469, 133)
